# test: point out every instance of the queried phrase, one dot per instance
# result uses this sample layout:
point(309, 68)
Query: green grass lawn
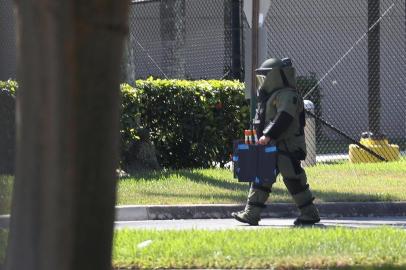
point(335, 182)
point(383, 248)
point(306, 248)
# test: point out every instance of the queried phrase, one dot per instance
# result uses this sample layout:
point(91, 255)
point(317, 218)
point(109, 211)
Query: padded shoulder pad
point(289, 101)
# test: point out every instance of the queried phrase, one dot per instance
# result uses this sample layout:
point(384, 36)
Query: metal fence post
point(254, 48)
point(310, 133)
point(374, 99)
point(236, 39)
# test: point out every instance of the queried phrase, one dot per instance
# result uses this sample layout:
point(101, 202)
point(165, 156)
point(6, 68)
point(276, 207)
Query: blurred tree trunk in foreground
point(69, 54)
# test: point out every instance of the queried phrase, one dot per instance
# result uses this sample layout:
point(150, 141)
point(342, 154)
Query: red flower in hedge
point(219, 106)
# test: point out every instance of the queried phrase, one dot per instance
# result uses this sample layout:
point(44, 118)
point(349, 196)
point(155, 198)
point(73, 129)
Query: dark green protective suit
point(280, 116)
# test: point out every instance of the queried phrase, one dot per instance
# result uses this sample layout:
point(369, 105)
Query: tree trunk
point(69, 54)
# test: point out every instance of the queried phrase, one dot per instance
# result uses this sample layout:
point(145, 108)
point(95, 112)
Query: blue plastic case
point(255, 163)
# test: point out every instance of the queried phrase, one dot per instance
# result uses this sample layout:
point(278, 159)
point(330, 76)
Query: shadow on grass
point(329, 196)
point(324, 196)
point(192, 176)
point(204, 197)
point(238, 187)
point(150, 175)
point(232, 186)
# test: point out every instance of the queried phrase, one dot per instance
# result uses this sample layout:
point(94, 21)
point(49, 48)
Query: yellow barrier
point(382, 147)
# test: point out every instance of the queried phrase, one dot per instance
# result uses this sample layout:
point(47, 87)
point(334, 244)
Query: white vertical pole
point(310, 134)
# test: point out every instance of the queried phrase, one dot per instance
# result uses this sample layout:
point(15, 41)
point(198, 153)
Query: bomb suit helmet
point(272, 63)
point(276, 73)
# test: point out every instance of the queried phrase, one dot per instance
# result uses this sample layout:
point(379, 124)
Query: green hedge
point(9, 85)
point(191, 123)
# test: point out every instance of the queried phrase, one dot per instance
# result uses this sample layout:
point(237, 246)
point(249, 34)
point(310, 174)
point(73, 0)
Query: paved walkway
point(276, 214)
point(274, 210)
point(222, 224)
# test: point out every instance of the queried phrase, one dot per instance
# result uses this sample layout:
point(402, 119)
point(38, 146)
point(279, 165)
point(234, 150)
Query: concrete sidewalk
point(274, 210)
point(283, 223)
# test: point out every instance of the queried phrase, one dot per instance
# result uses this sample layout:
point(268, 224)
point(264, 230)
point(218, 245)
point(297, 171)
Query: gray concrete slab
point(223, 224)
point(328, 211)
point(273, 210)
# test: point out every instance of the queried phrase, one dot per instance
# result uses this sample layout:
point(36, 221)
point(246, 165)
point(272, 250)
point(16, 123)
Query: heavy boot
point(257, 197)
point(309, 214)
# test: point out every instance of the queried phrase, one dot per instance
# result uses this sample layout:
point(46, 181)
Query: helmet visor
point(260, 80)
point(263, 72)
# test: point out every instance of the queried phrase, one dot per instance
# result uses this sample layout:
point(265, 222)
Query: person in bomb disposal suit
point(280, 119)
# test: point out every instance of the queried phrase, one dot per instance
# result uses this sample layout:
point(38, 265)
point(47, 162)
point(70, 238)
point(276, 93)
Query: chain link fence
point(352, 54)
point(349, 53)
point(7, 41)
point(181, 39)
